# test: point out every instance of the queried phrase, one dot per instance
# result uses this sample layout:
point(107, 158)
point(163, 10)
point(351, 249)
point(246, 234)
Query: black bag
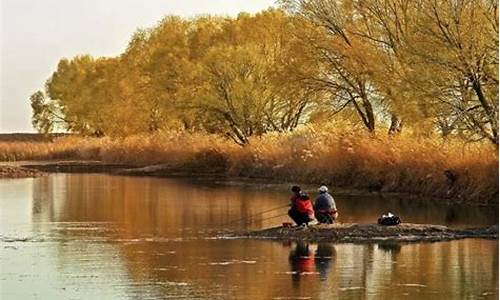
point(389, 220)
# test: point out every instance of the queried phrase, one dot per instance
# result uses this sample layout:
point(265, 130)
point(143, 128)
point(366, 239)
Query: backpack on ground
point(389, 219)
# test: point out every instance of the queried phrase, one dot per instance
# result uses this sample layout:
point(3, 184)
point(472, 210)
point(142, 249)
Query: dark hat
point(296, 188)
point(303, 195)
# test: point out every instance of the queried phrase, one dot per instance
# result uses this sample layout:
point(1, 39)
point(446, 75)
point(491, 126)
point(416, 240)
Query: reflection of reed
point(150, 205)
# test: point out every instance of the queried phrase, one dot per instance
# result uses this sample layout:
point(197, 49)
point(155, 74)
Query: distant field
point(30, 137)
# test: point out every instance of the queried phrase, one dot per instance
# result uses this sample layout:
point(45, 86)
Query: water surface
point(90, 236)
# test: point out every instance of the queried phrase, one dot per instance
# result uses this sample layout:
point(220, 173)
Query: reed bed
point(423, 166)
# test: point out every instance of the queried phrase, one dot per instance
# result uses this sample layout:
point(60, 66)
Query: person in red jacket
point(302, 211)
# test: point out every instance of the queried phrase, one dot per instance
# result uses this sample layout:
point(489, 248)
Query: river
point(95, 236)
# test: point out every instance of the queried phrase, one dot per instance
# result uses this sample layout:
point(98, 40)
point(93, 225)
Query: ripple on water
point(351, 288)
point(412, 284)
point(290, 298)
point(296, 273)
point(230, 262)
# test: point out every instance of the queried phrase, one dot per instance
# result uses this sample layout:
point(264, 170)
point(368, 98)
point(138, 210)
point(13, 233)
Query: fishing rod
point(265, 219)
point(248, 218)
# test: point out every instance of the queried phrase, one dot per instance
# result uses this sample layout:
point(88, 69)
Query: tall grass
point(424, 166)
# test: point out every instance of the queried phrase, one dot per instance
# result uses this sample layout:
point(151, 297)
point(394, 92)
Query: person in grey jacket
point(325, 209)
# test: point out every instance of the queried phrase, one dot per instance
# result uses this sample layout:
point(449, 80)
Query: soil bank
point(371, 233)
point(20, 169)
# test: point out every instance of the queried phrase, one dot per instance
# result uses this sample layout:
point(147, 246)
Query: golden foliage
point(366, 61)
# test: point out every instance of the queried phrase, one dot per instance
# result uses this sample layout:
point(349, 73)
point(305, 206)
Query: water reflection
point(390, 247)
point(162, 206)
point(112, 237)
point(304, 263)
point(323, 259)
point(301, 262)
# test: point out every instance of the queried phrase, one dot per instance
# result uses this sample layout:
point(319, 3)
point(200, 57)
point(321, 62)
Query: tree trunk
point(366, 114)
point(370, 116)
point(396, 125)
point(492, 118)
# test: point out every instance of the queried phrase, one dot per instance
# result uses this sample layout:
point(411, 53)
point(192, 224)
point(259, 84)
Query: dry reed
point(403, 163)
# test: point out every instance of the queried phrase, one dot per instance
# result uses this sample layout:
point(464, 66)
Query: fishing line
point(265, 219)
point(248, 218)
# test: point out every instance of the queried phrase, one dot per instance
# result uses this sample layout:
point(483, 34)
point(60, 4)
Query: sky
point(36, 34)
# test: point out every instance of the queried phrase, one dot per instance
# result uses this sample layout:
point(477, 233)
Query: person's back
point(325, 209)
point(304, 206)
point(302, 211)
point(324, 201)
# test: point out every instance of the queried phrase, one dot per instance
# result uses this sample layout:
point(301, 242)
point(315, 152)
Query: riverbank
point(367, 233)
point(79, 166)
point(427, 168)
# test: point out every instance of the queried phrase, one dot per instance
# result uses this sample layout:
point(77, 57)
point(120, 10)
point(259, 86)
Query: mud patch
point(19, 172)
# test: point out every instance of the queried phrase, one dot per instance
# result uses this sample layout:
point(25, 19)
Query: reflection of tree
point(150, 208)
point(42, 204)
point(325, 253)
point(300, 261)
point(141, 207)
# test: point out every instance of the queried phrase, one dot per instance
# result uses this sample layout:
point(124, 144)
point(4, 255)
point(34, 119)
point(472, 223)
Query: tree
point(246, 84)
point(70, 87)
point(234, 94)
point(461, 73)
point(457, 80)
point(361, 60)
point(42, 118)
point(346, 69)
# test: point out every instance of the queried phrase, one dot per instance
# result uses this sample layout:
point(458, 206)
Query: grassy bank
point(426, 166)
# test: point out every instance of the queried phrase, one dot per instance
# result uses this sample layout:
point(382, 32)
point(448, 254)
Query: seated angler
point(302, 211)
point(325, 209)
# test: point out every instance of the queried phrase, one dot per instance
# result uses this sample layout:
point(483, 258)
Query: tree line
point(430, 65)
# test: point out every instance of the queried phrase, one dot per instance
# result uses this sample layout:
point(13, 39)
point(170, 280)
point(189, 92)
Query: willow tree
point(246, 88)
point(83, 89)
point(233, 93)
point(425, 60)
point(69, 86)
point(169, 70)
point(346, 60)
point(44, 117)
point(460, 74)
